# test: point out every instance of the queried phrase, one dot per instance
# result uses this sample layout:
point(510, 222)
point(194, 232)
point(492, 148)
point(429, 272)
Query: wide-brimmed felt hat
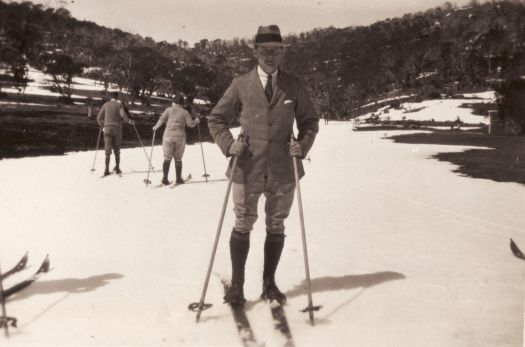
point(268, 36)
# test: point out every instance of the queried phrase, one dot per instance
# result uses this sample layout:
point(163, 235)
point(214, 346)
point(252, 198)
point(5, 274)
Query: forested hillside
point(442, 50)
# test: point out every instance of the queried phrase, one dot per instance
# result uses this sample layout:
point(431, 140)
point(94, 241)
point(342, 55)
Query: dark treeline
point(445, 49)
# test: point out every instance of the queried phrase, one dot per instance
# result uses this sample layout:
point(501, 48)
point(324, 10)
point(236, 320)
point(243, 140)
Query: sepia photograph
point(310, 173)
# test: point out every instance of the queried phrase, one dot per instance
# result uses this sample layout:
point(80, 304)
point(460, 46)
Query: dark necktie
point(268, 90)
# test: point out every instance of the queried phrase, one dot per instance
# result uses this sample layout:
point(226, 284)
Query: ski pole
point(310, 308)
point(96, 150)
point(201, 306)
point(138, 136)
point(202, 153)
point(146, 180)
point(3, 319)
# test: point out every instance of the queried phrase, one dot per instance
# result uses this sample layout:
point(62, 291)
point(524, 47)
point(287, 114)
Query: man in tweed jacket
point(265, 102)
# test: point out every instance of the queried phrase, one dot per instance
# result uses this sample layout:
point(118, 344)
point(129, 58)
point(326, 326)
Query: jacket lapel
point(278, 91)
point(256, 85)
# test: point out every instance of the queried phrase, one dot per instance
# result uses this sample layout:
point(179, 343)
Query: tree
point(19, 39)
point(510, 96)
point(62, 68)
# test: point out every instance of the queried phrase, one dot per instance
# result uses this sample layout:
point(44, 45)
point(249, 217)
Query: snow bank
point(440, 110)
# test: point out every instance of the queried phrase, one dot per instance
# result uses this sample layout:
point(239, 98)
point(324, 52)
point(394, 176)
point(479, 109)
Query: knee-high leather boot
point(106, 170)
point(165, 171)
point(273, 248)
point(117, 163)
point(239, 247)
point(178, 171)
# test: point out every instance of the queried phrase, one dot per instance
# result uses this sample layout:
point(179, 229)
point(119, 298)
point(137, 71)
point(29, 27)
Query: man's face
point(269, 57)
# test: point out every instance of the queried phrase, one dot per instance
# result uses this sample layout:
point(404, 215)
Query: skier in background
point(174, 138)
point(110, 116)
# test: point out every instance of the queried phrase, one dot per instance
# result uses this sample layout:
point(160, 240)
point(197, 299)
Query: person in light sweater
point(176, 119)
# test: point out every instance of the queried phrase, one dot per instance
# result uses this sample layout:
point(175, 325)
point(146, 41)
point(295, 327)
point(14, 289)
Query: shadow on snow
point(68, 285)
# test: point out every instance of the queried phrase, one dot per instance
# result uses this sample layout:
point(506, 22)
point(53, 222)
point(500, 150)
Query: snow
point(40, 82)
point(12, 103)
point(440, 110)
point(400, 255)
point(402, 251)
point(388, 99)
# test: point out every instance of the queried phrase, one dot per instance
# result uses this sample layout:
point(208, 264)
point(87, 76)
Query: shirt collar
point(262, 74)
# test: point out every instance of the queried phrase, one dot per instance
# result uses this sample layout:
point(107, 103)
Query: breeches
point(279, 199)
point(112, 139)
point(174, 148)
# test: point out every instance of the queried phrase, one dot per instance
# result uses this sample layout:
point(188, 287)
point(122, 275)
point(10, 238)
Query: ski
point(187, 179)
point(4, 319)
point(44, 267)
point(209, 181)
point(242, 323)
point(140, 172)
point(18, 267)
point(113, 173)
point(516, 251)
point(281, 323)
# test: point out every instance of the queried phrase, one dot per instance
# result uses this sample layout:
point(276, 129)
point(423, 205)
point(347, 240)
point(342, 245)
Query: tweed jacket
point(267, 126)
point(176, 119)
point(111, 114)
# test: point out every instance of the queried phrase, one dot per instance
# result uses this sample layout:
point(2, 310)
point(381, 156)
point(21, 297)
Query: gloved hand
point(131, 122)
point(155, 127)
point(295, 149)
point(236, 148)
point(197, 120)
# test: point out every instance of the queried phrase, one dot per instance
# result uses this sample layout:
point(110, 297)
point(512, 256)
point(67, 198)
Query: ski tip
point(24, 259)
point(515, 250)
point(45, 265)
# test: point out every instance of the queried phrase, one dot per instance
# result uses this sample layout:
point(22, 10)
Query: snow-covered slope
point(439, 110)
point(403, 251)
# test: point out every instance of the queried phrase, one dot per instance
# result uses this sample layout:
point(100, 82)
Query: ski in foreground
point(516, 251)
point(281, 323)
point(18, 267)
point(44, 267)
point(242, 323)
point(6, 321)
